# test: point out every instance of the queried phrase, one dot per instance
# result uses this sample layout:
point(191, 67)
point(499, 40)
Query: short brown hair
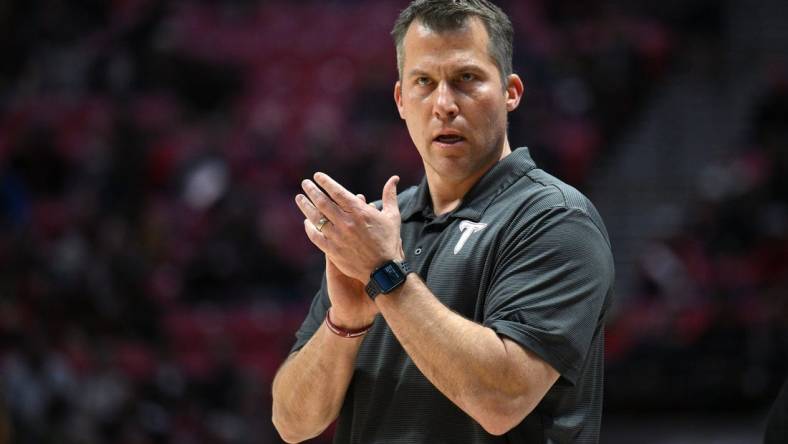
point(450, 15)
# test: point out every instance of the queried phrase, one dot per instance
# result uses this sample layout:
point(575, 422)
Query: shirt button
point(418, 251)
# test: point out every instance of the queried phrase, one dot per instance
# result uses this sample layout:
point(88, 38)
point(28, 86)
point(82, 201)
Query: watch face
point(389, 277)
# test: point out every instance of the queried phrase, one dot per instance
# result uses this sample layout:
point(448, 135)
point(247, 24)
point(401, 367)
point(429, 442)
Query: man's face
point(451, 98)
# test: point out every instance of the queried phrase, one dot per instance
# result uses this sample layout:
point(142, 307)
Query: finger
point(322, 202)
point(316, 237)
point(344, 198)
point(390, 195)
point(364, 199)
point(309, 210)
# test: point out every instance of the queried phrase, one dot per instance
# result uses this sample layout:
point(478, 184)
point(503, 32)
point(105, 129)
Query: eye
point(422, 81)
point(467, 77)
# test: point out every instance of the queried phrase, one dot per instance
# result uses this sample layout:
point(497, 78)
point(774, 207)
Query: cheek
point(417, 115)
point(415, 130)
point(498, 109)
point(419, 103)
point(490, 114)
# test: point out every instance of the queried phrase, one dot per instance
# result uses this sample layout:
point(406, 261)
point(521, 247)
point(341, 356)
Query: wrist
point(400, 288)
point(348, 333)
point(349, 321)
point(383, 261)
point(387, 278)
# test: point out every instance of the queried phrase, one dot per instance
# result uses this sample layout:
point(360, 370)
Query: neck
point(447, 192)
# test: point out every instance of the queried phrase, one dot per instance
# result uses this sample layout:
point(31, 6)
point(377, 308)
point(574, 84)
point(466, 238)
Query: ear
point(398, 98)
point(514, 92)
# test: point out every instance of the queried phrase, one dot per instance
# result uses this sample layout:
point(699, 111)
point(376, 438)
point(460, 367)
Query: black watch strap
point(387, 277)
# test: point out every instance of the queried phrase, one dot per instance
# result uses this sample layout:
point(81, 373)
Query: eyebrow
point(416, 72)
point(469, 67)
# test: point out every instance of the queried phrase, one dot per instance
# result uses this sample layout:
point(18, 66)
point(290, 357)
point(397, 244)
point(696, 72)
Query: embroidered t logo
point(467, 228)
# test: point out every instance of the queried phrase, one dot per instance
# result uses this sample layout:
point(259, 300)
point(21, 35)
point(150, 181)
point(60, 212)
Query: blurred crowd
point(707, 324)
point(153, 267)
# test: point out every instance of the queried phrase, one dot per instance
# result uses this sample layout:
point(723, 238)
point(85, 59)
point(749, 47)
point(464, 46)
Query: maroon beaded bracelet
point(339, 331)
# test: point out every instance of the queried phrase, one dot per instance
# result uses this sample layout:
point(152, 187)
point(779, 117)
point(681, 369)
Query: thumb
point(390, 195)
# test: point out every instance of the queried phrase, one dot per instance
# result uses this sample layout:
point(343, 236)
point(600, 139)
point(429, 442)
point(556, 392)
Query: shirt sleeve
point(315, 317)
point(551, 286)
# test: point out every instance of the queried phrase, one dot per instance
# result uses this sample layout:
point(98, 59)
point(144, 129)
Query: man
point(468, 309)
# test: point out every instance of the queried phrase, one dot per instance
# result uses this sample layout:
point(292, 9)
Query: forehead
point(424, 47)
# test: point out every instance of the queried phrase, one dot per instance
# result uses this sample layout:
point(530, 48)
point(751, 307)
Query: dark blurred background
point(153, 266)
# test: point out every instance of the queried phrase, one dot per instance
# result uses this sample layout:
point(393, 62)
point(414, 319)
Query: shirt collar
point(500, 177)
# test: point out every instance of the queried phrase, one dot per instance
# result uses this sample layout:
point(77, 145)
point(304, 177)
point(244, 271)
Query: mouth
point(449, 139)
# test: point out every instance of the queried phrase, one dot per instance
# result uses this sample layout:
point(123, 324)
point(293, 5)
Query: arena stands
point(153, 266)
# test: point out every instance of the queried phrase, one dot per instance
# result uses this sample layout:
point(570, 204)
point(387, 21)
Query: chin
point(453, 168)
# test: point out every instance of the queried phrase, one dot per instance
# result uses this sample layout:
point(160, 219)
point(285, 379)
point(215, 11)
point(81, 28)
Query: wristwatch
point(387, 277)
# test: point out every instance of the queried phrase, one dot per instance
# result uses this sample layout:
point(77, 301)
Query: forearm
point(467, 362)
point(494, 380)
point(309, 388)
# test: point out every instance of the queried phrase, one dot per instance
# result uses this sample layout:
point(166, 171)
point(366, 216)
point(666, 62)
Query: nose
point(445, 107)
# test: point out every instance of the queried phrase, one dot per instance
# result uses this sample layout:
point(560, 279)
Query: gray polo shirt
point(524, 254)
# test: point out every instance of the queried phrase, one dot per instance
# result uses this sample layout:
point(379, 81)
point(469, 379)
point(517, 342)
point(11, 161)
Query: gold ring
point(321, 223)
